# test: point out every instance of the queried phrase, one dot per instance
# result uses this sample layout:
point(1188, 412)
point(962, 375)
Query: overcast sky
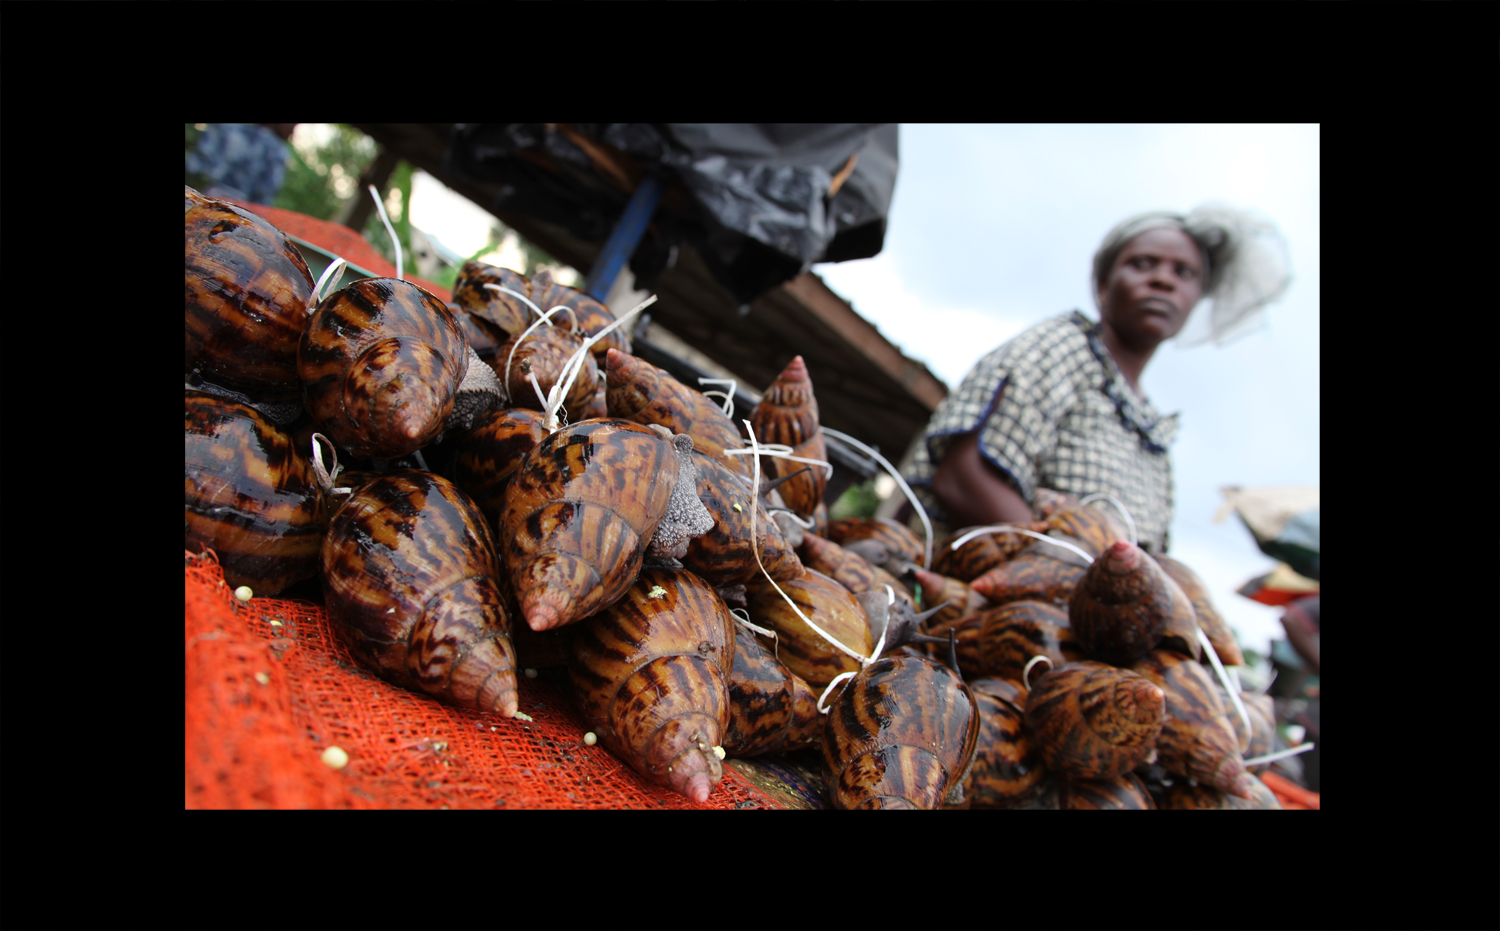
point(993, 228)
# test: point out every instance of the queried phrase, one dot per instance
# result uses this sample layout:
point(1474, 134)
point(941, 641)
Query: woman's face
point(1152, 287)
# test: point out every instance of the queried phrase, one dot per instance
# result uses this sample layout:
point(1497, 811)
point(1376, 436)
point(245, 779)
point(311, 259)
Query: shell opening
point(905, 489)
point(390, 230)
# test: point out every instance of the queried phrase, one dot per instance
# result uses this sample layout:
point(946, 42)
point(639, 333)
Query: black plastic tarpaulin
point(764, 201)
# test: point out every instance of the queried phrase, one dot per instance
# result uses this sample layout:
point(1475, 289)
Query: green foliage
point(856, 501)
point(315, 174)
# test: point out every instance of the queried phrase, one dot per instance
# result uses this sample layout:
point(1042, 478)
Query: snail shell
point(491, 453)
point(722, 556)
point(980, 554)
point(848, 569)
point(651, 676)
point(411, 579)
point(958, 599)
point(1033, 574)
point(582, 509)
point(509, 314)
point(1124, 792)
point(771, 710)
point(1209, 619)
point(1184, 795)
point(1089, 526)
point(1093, 721)
point(590, 314)
point(381, 364)
point(788, 415)
point(544, 353)
point(901, 734)
point(1007, 764)
point(1125, 604)
point(1197, 740)
point(249, 496)
point(999, 641)
point(1049, 501)
point(882, 542)
point(639, 391)
point(247, 291)
point(831, 607)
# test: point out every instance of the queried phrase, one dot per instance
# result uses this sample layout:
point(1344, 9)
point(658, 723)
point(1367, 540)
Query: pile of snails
point(587, 511)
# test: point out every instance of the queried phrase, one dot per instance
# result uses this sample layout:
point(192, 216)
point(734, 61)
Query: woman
point(1060, 406)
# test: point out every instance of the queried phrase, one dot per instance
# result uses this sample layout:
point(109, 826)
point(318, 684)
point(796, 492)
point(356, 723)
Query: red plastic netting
point(264, 701)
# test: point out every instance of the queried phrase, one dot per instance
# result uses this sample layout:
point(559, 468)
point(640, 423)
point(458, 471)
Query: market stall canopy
point(1283, 519)
point(865, 385)
point(1280, 586)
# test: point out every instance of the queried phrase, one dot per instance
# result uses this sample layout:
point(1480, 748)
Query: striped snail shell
point(722, 556)
point(1209, 619)
point(771, 710)
point(881, 541)
point(1043, 575)
point(958, 599)
point(848, 569)
point(544, 353)
point(901, 734)
point(486, 457)
point(979, 554)
point(1184, 795)
point(788, 415)
point(999, 641)
point(247, 291)
point(1197, 739)
point(830, 606)
point(1049, 501)
point(411, 580)
point(582, 510)
point(639, 391)
point(1089, 526)
point(249, 496)
point(381, 364)
point(650, 676)
point(590, 314)
point(1007, 764)
point(1093, 721)
point(1124, 792)
point(509, 314)
point(1125, 604)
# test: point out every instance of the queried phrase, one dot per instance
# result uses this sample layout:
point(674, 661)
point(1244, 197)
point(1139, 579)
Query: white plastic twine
point(1030, 533)
point(1234, 693)
point(755, 450)
point(728, 396)
point(1026, 672)
point(389, 229)
point(325, 477)
point(330, 278)
point(906, 489)
point(742, 617)
point(1279, 755)
point(1098, 496)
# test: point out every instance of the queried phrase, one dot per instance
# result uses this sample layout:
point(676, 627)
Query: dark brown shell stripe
point(1011, 634)
point(243, 277)
point(1090, 526)
point(581, 510)
point(1007, 767)
point(805, 653)
point(411, 577)
point(1198, 734)
point(544, 353)
point(510, 314)
point(249, 496)
point(903, 727)
point(640, 392)
point(722, 556)
point(492, 452)
point(1093, 720)
point(371, 334)
point(982, 553)
point(771, 710)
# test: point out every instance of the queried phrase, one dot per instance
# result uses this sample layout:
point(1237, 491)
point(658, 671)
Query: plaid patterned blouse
point(1057, 413)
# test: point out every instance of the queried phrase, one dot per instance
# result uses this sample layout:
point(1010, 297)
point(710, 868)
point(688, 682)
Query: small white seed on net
point(523, 716)
point(275, 623)
point(243, 593)
point(719, 752)
point(531, 673)
point(590, 738)
point(262, 678)
point(335, 758)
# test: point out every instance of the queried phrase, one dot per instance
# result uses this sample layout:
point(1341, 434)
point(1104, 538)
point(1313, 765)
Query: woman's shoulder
point(1053, 346)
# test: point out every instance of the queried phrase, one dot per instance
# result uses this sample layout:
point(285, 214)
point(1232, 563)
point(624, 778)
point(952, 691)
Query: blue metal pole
point(625, 236)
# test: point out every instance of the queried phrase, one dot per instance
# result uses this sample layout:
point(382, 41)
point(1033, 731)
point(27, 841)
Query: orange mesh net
point(264, 701)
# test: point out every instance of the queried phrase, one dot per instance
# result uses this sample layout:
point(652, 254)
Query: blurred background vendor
point(1061, 405)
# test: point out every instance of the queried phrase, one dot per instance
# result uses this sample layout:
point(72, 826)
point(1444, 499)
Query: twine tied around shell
point(905, 488)
point(755, 450)
point(326, 477)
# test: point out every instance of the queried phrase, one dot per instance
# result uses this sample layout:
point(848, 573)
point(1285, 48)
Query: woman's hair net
point(1245, 266)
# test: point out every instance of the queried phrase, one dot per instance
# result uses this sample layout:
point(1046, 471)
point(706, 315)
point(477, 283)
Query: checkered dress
point(1056, 413)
